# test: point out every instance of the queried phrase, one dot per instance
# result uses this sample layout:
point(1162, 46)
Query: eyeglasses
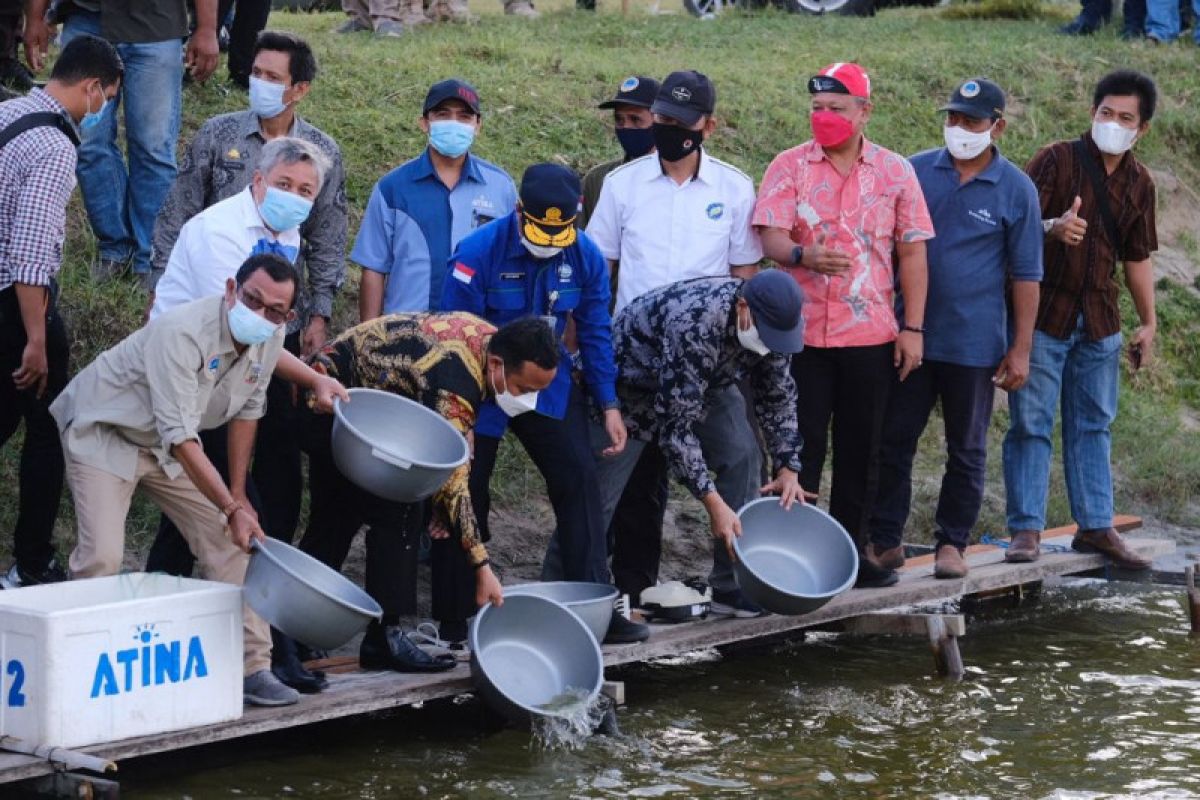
point(273, 315)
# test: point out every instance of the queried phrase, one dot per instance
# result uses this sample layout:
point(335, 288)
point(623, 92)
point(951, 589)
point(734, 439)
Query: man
point(986, 213)
point(132, 419)
point(679, 348)
point(37, 176)
point(632, 123)
point(122, 201)
point(534, 261)
point(1106, 200)
point(421, 210)
point(831, 211)
point(450, 363)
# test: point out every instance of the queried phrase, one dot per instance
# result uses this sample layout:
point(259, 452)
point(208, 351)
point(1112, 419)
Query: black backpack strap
point(1088, 164)
point(38, 119)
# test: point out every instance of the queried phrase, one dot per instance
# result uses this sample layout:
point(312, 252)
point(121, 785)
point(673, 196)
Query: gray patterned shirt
point(675, 344)
point(219, 163)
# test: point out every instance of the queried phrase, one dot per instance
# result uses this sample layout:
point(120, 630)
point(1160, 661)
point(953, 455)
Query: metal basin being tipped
point(792, 562)
point(591, 602)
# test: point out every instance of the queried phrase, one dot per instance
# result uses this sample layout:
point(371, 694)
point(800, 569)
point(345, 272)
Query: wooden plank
point(902, 624)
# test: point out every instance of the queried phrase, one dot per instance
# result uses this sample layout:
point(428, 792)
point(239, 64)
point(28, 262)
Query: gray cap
point(777, 304)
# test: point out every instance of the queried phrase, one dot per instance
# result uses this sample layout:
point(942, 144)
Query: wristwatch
point(1048, 224)
point(913, 329)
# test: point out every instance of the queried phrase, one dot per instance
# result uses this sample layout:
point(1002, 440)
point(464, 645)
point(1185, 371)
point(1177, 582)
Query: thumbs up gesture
point(1070, 228)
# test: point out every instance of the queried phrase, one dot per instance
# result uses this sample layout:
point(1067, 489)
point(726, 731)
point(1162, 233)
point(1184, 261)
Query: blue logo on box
point(149, 663)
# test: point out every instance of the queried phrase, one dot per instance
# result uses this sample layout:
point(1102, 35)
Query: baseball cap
point(452, 89)
point(777, 305)
point(978, 98)
point(550, 195)
point(843, 77)
point(686, 96)
point(636, 90)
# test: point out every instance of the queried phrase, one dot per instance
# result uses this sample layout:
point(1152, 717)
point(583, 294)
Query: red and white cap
point(843, 77)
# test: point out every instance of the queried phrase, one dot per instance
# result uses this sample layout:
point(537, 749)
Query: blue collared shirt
point(413, 223)
point(989, 229)
point(493, 276)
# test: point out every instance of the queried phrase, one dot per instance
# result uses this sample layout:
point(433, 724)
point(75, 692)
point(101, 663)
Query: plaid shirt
point(37, 176)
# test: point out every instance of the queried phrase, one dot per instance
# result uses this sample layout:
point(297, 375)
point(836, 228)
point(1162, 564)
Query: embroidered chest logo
point(715, 210)
point(256, 370)
point(982, 215)
point(564, 273)
point(214, 364)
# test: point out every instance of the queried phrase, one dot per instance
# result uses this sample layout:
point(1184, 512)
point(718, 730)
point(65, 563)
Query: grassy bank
point(540, 81)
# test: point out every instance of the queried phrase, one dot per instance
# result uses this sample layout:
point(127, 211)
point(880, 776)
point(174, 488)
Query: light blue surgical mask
point(282, 210)
point(249, 328)
point(91, 119)
point(266, 98)
point(450, 137)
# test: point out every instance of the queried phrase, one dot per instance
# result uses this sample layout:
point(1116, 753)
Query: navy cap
point(452, 89)
point(636, 90)
point(686, 96)
point(550, 199)
point(777, 304)
point(978, 98)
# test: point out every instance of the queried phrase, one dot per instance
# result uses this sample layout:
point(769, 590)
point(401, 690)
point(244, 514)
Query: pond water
point(1092, 692)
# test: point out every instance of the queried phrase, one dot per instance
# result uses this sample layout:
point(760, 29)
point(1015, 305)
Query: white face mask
point(1112, 137)
point(540, 251)
point(514, 404)
point(750, 340)
point(965, 144)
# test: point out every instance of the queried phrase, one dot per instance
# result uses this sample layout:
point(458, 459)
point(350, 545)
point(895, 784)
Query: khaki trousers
point(373, 12)
point(101, 506)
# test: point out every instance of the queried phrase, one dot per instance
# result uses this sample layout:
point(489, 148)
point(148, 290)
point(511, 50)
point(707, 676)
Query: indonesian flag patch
point(463, 272)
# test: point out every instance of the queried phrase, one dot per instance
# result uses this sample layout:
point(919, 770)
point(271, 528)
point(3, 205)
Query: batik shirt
point(677, 343)
point(439, 361)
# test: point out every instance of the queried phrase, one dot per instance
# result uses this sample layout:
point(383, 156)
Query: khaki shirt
point(162, 385)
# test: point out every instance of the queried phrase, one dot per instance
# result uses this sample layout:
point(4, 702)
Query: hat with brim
point(551, 230)
point(688, 116)
point(636, 90)
point(777, 304)
point(977, 98)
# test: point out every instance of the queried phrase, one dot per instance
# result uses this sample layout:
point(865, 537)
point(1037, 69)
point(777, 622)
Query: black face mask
point(636, 142)
point(675, 143)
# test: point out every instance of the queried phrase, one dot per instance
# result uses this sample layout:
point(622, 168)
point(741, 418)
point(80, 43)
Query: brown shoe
point(949, 562)
point(886, 558)
point(1108, 542)
point(1024, 547)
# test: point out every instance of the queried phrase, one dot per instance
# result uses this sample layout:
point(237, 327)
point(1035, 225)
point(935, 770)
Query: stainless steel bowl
point(530, 653)
point(393, 447)
point(304, 598)
point(792, 562)
point(591, 602)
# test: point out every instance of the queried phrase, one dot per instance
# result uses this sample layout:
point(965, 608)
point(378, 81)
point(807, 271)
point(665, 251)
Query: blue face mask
point(451, 138)
point(266, 98)
point(282, 210)
point(636, 142)
point(249, 328)
point(92, 118)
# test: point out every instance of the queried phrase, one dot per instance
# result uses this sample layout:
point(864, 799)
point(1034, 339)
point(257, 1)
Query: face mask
point(1112, 137)
point(266, 98)
point(514, 405)
point(966, 144)
point(247, 327)
point(750, 340)
point(675, 143)
point(636, 142)
point(282, 210)
point(92, 118)
point(538, 251)
point(830, 129)
point(450, 137)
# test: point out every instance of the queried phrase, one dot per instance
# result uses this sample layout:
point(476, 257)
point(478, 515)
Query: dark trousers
point(966, 396)
point(249, 18)
point(40, 474)
point(845, 388)
point(636, 528)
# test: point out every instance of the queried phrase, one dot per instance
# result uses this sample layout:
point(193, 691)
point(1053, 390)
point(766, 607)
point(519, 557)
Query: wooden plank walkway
point(356, 693)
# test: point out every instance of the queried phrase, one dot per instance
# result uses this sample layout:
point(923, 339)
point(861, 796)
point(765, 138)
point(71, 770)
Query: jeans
point(1094, 13)
point(1083, 376)
point(966, 396)
point(122, 203)
point(1164, 20)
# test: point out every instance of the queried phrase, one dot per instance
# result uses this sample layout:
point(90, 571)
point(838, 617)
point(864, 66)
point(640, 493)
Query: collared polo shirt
point(662, 232)
point(989, 230)
point(212, 246)
point(413, 223)
point(862, 214)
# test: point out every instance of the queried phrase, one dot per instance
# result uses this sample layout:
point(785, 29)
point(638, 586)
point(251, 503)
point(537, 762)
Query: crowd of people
point(659, 318)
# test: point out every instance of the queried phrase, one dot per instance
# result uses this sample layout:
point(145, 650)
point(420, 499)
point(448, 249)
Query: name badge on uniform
point(512, 276)
point(564, 273)
point(255, 373)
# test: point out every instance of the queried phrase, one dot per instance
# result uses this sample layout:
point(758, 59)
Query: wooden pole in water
point(946, 656)
point(1193, 599)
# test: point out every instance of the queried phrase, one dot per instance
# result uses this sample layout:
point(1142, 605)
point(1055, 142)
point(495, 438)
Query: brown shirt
point(1083, 279)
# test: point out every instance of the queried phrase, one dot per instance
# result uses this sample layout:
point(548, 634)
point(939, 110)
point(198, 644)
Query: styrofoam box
point(104, 659)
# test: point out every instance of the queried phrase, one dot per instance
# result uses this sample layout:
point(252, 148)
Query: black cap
point(550, 198)
point(686, 96)
point(636, 90)
point(776, 303)
point(978, 98)
point(452, 89)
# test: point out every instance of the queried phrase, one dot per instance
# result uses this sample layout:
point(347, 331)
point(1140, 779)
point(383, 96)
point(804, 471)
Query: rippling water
point(1094, 692)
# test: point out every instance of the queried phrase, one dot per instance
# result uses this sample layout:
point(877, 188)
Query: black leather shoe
point(624, 631)
point(287, 667)
point(873, 576)
point(386, 647)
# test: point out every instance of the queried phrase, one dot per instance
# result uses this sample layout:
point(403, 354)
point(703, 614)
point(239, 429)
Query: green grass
point(539, 83)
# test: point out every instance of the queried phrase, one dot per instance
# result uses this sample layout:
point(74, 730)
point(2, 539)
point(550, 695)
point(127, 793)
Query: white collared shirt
point(662, 232)
point(211, 247)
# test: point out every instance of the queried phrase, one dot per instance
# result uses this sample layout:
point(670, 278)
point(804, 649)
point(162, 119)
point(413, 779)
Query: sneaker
point(264, 689)
point(17, 576)
point(353, 25)
point(735, 604)
point(389, 29)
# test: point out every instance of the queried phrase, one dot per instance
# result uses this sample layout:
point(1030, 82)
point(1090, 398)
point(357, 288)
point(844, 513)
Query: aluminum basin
point(792, 562)
point(393, 447)
point(591, 602)
point(304, 598)
point(528, 653)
